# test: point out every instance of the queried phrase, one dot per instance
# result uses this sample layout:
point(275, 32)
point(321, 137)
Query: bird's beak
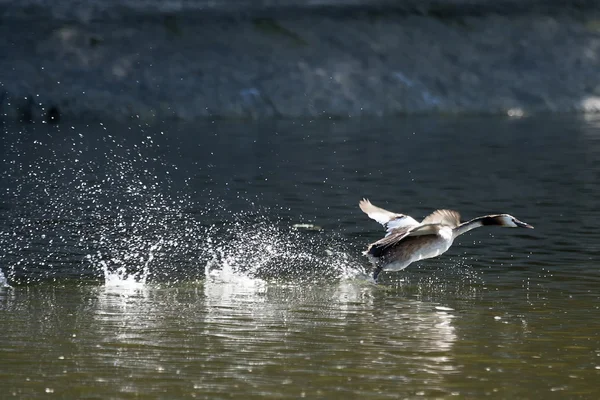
point(522, 224)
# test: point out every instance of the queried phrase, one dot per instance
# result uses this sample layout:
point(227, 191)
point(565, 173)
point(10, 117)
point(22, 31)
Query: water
point(162, 262)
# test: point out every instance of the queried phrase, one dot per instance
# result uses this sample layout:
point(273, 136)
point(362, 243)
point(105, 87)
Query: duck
point(407, 240)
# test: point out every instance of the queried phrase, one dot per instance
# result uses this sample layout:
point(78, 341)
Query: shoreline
point(373, 64)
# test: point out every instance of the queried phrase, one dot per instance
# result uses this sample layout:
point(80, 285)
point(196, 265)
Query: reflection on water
point(312, 328)
point(252, 338)
point(242, 336)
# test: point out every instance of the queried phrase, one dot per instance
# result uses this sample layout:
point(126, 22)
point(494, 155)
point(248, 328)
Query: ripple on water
point(207, 292)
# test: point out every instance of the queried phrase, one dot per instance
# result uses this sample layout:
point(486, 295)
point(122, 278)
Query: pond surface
point(162, 261)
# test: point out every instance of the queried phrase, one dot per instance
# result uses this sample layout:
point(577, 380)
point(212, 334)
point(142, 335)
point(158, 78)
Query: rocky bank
point(313, 64)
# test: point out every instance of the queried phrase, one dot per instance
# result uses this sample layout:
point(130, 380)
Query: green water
point(252, 339)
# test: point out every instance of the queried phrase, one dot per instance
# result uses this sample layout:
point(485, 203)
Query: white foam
point(262, 250)
point(121, 279)
point(116, 275)
point(3, 281)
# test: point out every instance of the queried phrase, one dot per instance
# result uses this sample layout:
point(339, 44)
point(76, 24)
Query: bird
point(407, 240)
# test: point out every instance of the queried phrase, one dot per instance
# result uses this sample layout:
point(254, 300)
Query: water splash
point(88, 206)
point(3, 281)
point(120, 275)
point(265, 250)
point(105, 207)
point(166, 244)
point(250, 249)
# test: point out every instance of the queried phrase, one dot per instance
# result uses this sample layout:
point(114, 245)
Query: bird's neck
point(469, 225)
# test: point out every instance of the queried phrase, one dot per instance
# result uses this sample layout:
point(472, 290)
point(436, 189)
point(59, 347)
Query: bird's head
point(506, 220)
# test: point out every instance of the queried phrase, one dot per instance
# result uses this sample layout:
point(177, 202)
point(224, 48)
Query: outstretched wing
point(398, 235)
point(443, 217)
point(390, 220)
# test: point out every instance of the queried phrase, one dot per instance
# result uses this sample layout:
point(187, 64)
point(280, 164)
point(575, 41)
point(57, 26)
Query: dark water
point(161, 261)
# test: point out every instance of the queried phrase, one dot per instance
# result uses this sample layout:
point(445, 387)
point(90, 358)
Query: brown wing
point(443, 217)
point(397, 235)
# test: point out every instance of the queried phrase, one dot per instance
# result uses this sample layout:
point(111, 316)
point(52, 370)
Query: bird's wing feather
point(443, 217)
point(392, 238)
point(397, 235)
point(390, 220)
point(427, 229)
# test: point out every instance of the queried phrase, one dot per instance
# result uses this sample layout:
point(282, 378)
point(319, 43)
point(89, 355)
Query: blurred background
point(189, 59)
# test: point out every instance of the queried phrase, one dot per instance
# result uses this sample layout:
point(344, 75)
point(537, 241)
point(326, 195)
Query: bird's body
point(407, 240)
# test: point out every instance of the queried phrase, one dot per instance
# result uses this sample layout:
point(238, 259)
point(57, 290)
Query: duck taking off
point(407, 240)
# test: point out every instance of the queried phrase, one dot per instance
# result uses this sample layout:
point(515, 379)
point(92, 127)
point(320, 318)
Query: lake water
point(161, 261)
